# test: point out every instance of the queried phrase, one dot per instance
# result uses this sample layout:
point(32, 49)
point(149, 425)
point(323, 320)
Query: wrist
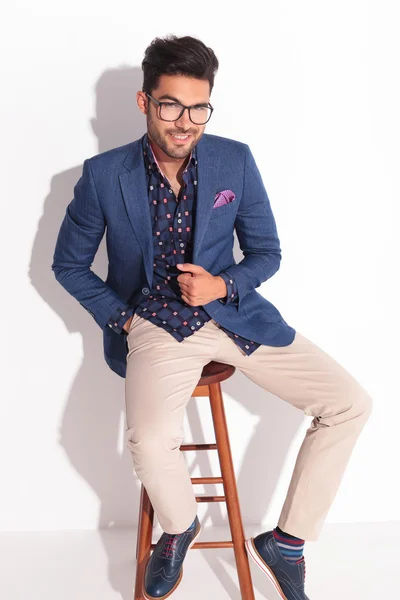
point(127, 324)
point(221, 288)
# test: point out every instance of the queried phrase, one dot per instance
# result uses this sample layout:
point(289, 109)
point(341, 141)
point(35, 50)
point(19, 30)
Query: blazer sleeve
point(79, 237)
point(231, 288)
point(257, 233)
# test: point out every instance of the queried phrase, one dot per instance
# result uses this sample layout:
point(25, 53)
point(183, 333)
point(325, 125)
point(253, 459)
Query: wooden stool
point(208, 385)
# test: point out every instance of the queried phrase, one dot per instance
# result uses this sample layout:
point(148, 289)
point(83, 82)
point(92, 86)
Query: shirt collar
point(150, 159)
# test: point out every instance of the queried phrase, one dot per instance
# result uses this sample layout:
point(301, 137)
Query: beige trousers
point(161, 375)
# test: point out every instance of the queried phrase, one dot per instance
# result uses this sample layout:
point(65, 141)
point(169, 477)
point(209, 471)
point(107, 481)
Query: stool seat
point(214, 372)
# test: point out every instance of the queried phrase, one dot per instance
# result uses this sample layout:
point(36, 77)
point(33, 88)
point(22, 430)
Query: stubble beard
point(161, 141)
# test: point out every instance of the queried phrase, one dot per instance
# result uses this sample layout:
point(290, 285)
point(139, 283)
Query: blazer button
point(145, 290)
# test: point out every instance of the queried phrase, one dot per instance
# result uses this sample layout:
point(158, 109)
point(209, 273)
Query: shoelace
point(302, 560)
point(170, 545)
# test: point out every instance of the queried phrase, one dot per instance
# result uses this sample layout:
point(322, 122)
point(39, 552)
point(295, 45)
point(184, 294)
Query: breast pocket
point(219, 234)
point(225, 210)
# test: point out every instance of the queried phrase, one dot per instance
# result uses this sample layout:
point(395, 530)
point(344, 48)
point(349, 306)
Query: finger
point(190, 267)
point(189, 298)
point(185, 266)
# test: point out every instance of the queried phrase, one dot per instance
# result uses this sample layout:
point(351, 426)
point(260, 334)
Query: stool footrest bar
point(185, 447)
point(210, 498)
point(203, 545)
point(196, 480)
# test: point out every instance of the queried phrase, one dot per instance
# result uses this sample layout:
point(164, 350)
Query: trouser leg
point(161, 376)
point(312, 381)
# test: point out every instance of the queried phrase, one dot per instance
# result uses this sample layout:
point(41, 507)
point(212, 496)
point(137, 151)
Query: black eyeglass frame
point(182, 111)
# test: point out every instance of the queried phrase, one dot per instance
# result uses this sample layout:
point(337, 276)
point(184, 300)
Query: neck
point(171, 167)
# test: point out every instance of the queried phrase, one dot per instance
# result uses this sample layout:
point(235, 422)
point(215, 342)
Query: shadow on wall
point(90, 427)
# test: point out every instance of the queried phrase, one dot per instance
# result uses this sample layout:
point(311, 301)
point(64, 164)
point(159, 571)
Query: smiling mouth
point(180, 137)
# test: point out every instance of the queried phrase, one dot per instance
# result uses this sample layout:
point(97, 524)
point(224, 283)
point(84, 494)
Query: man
point(175, 299)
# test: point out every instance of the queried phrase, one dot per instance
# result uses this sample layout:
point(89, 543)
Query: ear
point(142, 102)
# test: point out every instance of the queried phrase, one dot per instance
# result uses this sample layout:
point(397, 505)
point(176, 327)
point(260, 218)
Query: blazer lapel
point(208, 162)
point(135, 194)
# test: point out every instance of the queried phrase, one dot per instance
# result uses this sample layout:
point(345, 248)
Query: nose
point(184, 122)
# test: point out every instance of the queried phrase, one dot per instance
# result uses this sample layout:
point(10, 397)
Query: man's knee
point(363, 405)
point(356, 409)
point(152, 446)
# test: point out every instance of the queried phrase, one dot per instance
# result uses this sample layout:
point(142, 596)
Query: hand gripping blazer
point(112, 196)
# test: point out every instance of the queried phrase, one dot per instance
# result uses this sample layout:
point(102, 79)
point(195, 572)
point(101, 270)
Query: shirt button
point(179, 220)
point(170, 190)
point(182, 245)
point(145, 290)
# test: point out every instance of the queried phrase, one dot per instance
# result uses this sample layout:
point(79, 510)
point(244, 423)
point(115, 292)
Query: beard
point(162, 140)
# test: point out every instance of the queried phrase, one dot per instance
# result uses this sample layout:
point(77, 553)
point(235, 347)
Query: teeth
point(180, 137)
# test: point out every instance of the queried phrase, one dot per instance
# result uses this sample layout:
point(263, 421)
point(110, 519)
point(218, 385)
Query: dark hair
point(174, 55)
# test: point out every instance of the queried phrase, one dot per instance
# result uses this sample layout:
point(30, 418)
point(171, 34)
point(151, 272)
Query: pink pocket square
point(223, 197)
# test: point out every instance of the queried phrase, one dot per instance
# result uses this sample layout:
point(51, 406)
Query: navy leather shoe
point(287, 578)
point(164, 569)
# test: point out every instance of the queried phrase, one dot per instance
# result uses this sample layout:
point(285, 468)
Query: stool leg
point(143, 542)
point(231, 493)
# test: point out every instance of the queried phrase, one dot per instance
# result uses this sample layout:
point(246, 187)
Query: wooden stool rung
point(199, 447)
point(196, 480)
point(214, 544)
point(210, 498)
point(205, 545)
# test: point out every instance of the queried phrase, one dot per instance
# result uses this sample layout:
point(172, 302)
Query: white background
point(313, 88)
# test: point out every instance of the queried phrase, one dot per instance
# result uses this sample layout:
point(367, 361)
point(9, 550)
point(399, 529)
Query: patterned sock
point(290, 547)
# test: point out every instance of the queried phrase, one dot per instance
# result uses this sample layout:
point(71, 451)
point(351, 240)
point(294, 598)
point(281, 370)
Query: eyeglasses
point(199, 114)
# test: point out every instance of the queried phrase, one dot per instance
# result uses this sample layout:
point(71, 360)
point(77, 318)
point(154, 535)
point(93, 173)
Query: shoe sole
point(171, 591)
point(252, 551)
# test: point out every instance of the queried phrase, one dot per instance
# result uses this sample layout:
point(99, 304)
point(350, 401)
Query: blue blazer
point(112, 196)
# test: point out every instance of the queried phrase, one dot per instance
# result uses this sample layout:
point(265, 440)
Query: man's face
point(175, 88)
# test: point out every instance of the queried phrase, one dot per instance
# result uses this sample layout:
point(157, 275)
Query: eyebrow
point(167, 96)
